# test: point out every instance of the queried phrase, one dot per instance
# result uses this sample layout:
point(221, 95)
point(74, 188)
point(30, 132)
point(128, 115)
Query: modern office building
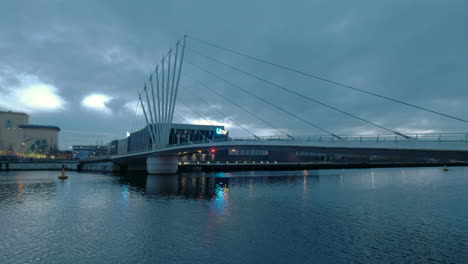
point(18, 137)
point(180, 134)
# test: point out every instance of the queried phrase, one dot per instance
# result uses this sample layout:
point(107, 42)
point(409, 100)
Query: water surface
point(409, 215)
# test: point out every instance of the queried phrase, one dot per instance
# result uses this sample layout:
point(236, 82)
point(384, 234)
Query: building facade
point(19, 138)
point(180, 134)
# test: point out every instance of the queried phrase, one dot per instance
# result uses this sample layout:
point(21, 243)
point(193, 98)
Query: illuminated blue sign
point(221, 131)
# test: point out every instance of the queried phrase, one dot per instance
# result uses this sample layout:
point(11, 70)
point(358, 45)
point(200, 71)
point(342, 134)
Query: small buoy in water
point(63, 176)
point(445, 168)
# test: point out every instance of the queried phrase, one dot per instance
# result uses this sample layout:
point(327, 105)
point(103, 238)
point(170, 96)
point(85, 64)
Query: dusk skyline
point(79, 65)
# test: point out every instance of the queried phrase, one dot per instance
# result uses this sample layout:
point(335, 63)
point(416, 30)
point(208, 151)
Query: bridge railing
point(445, 137)
point(434, 137)
point(422, 137)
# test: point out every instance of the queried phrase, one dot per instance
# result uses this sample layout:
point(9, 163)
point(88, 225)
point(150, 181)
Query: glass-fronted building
point(180, 134)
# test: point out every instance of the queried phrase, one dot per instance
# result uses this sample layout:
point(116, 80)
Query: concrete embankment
point(307, 166)
point(38, 165)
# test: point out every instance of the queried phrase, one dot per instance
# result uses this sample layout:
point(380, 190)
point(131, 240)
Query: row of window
point(248, 152)
point(189, 131)
point(306, 153)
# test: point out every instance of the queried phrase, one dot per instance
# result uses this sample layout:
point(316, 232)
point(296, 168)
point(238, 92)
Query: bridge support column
point(164, 164)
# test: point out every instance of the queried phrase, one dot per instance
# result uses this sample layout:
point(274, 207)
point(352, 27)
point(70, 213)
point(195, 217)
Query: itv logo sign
point(221, 131)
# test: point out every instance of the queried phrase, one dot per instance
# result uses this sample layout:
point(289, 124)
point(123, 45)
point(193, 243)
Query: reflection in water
point(19, 197)
point(220, 198)
point(124, 191)
point(330, 216)
point(21, 187)
point(201, 186)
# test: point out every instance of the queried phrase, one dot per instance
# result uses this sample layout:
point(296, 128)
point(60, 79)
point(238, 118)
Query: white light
point(128, 134)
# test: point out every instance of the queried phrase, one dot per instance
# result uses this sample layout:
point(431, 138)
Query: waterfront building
point(180, 134)
point(19, 138)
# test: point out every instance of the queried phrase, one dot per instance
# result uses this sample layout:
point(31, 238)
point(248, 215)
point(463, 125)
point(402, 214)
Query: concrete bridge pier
point(162, 164)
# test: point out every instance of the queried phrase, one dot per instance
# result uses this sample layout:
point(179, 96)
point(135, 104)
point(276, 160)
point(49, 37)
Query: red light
point(213, 150)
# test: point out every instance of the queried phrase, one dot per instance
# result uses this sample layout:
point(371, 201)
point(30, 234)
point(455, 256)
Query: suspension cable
point(134, 119)
point(139, 115)
point(328, 80)
point(196, 112)
point(226, 116)
point(265, 101)
point(182, 118)
point(239, 106)
point(300, 95)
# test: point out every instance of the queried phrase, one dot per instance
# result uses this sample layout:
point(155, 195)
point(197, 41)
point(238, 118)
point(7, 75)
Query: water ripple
point(415, 215)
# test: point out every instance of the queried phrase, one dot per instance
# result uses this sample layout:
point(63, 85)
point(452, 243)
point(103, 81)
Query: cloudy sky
point(79, 64)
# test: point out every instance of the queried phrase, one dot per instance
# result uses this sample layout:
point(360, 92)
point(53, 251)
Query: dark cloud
point(411, 50)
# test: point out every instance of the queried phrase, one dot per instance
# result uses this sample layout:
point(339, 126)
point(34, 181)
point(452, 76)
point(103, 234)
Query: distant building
point(18, 137)
point(85, 151)
point(65, 155)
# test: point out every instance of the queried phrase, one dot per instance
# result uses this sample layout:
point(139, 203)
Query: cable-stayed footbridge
point(182, 77)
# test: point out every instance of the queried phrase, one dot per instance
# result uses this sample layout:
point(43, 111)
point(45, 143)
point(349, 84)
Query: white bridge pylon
point(158, 103)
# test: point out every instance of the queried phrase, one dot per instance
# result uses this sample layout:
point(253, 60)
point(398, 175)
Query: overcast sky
point(79, 64)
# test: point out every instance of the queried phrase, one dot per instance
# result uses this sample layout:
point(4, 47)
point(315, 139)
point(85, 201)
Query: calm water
point(417, 215)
